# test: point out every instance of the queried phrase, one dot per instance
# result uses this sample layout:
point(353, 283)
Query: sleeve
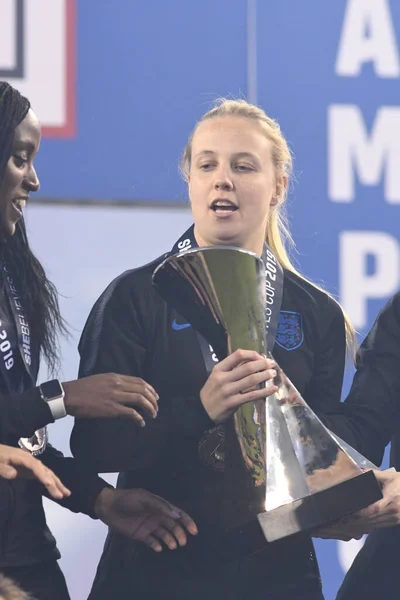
point(21, 415)
point(116, 338)
point(85, 485)
point(369, 415)
point(324, 389)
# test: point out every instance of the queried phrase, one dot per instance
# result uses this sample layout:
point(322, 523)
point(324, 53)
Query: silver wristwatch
point(53, 393)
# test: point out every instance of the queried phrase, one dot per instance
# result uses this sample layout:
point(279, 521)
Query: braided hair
point(38, 295)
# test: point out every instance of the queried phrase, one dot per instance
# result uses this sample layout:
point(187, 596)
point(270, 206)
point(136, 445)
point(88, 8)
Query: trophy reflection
point(281, 464)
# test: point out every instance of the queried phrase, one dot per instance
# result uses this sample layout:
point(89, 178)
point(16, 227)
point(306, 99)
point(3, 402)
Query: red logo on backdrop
point(37, 56)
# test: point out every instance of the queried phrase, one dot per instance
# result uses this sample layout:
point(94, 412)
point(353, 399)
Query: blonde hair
point(9, 590)
point(278, 235)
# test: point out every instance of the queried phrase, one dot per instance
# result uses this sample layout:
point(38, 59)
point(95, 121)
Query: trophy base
point(321, 508)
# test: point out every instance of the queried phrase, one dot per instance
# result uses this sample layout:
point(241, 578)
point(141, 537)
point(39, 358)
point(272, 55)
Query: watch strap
point(56, 402)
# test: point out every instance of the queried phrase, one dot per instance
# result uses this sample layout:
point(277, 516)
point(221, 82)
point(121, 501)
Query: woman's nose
point(223, 181)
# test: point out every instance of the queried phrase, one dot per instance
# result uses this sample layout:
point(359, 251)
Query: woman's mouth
point(223, 206)
point(19, 204)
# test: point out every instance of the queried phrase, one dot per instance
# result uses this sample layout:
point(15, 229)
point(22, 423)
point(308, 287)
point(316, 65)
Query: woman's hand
point(110, 395)
point(19, 463)
point(145, 517)
point(384, 513)
point(233, 382)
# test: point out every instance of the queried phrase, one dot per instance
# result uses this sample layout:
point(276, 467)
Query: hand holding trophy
point(281, 464)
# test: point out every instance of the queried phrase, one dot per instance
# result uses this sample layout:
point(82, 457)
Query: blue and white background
point(118, 87)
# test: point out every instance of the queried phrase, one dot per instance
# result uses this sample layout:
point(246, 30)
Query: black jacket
point(24, 536)
point(131, 330)
point(368, 419)
point(373, 405)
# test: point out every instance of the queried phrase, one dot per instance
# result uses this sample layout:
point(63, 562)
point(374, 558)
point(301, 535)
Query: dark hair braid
point(38, 295)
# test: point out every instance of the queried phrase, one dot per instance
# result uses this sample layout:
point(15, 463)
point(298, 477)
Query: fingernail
point(142, 424)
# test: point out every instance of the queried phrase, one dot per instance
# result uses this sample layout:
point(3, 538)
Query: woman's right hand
point(110, 395)
point(232, 383)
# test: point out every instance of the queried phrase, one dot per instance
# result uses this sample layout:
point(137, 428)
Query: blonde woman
point(237, 165)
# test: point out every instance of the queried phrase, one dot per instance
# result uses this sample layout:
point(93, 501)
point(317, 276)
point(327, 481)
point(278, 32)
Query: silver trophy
point(281, 465)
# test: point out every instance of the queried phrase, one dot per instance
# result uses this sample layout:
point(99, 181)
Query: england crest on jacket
point(290, 335)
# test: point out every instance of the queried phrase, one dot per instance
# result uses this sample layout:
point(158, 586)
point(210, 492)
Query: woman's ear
point(280, 190)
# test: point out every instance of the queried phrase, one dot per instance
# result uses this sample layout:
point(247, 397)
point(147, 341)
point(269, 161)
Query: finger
point(385, 477)
point(54, 491)
point(139, 401)
point(153, 543)
point(176, 530)
point(385, 520)
point(62, 489)
point(8, 472)
point(129, 413)
point(248, 383)
point(257, 394)
point(25, 464)
point(187, 521)
point(372, 511)
point(250, 367)
point(135, 395)
point(165, 536)
point(52, 483)
point(234, 360)
point(384, 524)
point(154, 504)
point(136, 384)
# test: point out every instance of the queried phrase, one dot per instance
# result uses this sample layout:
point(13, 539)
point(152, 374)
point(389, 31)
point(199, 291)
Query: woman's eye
point(243, 168)
point(19, 160)
point(206, 166)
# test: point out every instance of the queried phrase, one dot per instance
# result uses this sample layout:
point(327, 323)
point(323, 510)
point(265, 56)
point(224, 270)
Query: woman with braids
point(237, 165)
point(29, 323)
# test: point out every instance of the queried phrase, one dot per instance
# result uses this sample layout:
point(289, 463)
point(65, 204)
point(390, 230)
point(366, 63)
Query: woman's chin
point(7, 230)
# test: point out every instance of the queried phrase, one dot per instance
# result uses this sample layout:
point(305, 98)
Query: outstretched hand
point(19, 463)
point(144, 517)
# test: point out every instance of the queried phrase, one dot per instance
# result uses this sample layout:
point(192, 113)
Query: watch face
point(51, 389)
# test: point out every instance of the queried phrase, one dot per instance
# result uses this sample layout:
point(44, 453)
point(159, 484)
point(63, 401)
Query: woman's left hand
point(144, 517)
point(384, 513)
point(19, 463)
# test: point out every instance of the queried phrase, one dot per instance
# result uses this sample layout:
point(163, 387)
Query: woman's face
point(231, 183)
point(19, 177)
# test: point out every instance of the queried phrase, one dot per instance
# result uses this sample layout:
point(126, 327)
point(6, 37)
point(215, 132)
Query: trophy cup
point(282, 466)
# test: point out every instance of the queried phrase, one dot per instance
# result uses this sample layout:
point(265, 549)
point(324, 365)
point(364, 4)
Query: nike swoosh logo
point(178, 326)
